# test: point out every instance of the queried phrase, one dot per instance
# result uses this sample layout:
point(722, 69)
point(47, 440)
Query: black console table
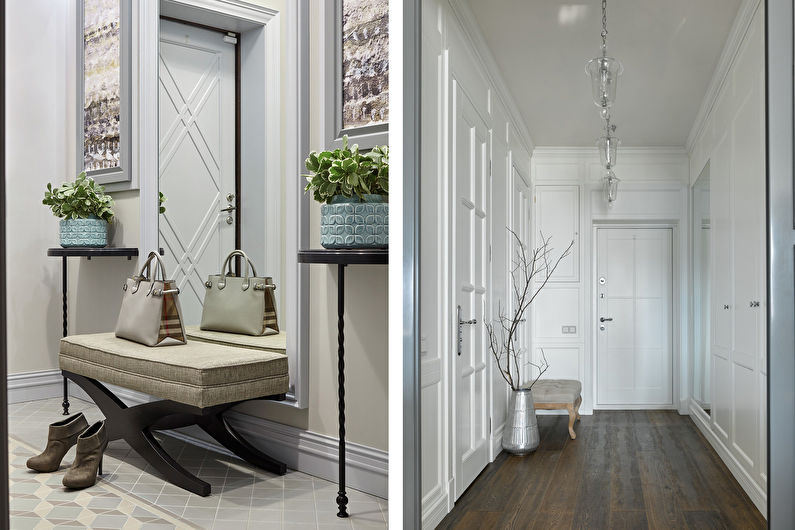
point(82, 252)
point(343, 258)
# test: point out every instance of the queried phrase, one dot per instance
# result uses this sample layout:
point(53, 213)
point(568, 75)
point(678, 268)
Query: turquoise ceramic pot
point(91, 232)
point(350, 222)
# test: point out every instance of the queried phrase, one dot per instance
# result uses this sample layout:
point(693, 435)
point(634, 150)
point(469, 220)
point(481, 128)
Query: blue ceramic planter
point(349, 222)
point(91, 232)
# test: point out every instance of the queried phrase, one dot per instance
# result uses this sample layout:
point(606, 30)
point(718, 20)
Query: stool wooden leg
point(572, 417)
point(577, 407)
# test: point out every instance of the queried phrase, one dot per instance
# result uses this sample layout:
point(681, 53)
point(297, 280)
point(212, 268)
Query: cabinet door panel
point(720, 210)
point(747, 217)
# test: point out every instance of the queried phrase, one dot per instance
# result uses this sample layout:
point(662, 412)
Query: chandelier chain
point(604, 25)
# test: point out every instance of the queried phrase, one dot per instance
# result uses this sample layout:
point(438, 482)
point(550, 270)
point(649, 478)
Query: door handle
point(460, 327)
point(607, 319)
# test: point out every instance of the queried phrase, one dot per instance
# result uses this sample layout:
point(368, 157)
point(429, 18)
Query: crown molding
point(730, 49)
point(482, 52)
point(588, 152)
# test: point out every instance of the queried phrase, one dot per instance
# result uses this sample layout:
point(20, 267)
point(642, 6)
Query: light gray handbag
point(244, 305)
point(150, 311)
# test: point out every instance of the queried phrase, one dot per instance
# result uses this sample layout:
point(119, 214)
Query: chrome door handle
point(229, 209)
point(460, 327)
point(608, 319)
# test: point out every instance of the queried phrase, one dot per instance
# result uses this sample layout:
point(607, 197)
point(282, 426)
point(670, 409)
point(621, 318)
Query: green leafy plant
point(79, 199)
point(347, 171)
point(161, 199)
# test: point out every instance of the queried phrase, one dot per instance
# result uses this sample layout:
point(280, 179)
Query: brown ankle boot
point(63, 435)
point(91, 445)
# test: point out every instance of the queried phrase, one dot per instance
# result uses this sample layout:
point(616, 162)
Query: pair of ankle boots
point(91, 444)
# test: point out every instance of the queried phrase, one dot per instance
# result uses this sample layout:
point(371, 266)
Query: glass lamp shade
point(611, 186)
point(608, 149)
point(604, 72)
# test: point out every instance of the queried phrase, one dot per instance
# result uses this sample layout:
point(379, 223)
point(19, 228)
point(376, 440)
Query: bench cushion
point(556, 391)
point(198, 373)
point(271, 341)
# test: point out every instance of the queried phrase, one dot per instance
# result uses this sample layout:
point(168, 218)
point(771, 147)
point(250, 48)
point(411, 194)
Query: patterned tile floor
point(243, 496)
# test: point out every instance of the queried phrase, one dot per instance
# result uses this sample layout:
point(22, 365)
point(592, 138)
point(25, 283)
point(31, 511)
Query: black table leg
point(65, 403)
point(342, 496)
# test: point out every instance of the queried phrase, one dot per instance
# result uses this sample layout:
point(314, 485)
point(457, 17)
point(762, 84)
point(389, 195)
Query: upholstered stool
point(556, 394)
point(196, 382)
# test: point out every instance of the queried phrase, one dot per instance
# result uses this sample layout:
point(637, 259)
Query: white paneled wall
point(732, 141)
point(455, 68)
point(569, 205)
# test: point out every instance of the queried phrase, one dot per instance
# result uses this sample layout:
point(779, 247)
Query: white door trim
point(294, 98)
point(679, 379)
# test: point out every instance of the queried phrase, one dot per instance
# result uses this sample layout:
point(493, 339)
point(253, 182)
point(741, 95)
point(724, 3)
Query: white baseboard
point(757, 495)
point(309, 452)
point(496, 442)
point(434, 510)
point(33, 386)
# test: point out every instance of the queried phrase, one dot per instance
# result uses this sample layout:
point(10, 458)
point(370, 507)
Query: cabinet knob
point(753, 304)
point(725, 306)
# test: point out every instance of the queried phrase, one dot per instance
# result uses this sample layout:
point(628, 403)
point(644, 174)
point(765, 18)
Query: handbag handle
point(228, 267)
point(147, 266)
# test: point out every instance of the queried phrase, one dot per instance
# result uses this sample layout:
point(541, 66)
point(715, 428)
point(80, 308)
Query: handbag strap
point(146, 270)
point(227, 266)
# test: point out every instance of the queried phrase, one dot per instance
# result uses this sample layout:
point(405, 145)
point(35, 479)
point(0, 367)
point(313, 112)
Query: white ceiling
point(669, 49)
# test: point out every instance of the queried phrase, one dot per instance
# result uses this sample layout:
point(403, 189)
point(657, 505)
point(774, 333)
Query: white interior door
point(634, 289)
point(520, 224)
point(470, 176)
point(197, 156)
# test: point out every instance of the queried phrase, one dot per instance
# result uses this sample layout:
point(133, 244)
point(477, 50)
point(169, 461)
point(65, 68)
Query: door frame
point(677, 377)
point(238, 243)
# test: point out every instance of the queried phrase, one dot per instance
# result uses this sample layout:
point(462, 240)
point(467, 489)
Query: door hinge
point(230, 38)
point(489, 425)
point(489, 253)
point(490, 172)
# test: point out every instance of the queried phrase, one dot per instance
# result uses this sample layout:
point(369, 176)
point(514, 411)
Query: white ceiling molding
point(730, 50)
point(658, 151)
point(463, 12)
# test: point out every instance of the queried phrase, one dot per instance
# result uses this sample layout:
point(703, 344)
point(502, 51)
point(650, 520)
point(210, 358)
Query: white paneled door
point(634, 289)
point(520, 224)
point(470, 169)
point(197, 156)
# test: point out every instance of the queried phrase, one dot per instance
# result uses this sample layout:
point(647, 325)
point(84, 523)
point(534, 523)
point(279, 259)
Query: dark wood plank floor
point(626, 469)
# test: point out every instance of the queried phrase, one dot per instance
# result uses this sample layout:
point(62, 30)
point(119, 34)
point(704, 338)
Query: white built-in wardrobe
point(730, 152)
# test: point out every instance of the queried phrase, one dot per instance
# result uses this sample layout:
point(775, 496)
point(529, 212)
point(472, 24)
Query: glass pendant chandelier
point(604, 71)
point(608, 146)
point(610, 186)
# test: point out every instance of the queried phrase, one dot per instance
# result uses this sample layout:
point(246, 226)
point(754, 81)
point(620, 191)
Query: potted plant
point(353, 188)
point(85, 211)
point(529, 275)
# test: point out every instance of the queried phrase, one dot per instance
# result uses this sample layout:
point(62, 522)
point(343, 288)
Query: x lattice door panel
point(197, 156)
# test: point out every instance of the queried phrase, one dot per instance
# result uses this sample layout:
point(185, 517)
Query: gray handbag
point(244, 305)
point(150, 313)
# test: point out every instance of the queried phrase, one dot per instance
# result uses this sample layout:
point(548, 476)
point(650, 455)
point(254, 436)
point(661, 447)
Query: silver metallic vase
point(520, 436)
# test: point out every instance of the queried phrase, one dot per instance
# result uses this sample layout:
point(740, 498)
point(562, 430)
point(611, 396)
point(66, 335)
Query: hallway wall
point(731, 139)
point(454, 56)
point(653, 190)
